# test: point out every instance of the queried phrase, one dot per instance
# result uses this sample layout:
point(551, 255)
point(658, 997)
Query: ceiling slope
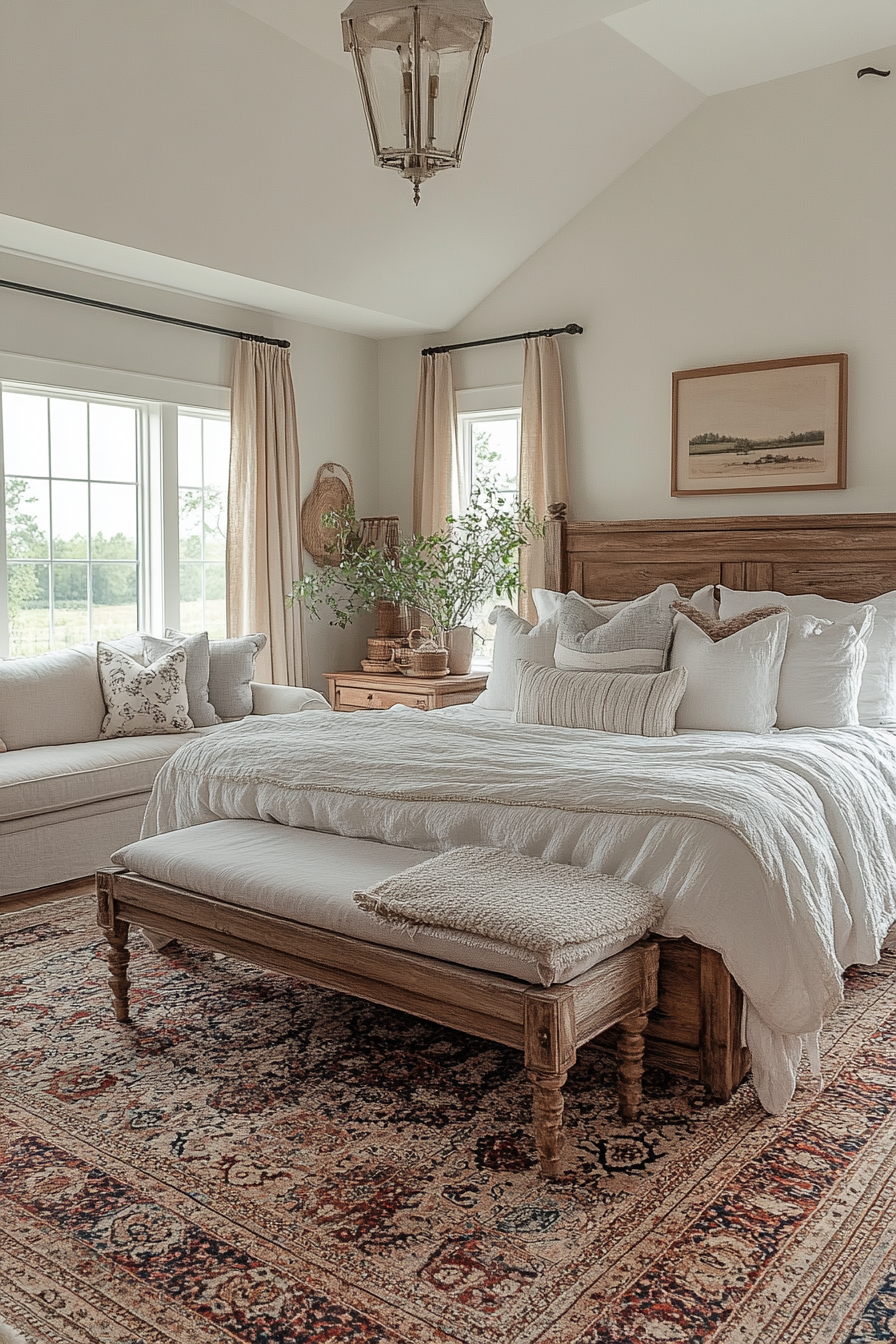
point(219, 147)
point(718, 45)
point(199, 136)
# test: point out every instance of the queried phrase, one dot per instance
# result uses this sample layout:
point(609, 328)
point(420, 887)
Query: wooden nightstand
point(375, 690)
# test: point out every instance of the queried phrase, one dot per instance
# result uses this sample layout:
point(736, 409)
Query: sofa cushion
point(49, 700)
point(46, 779)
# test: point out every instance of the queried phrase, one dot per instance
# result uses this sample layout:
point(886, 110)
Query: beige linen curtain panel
point(439, 486)
point(543, 476)
point(264, 544)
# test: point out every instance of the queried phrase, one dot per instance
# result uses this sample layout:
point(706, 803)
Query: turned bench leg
point(550, 1038)
point(116, 931)
point(118, 957)
point(630, 1064)
point(547, 1118)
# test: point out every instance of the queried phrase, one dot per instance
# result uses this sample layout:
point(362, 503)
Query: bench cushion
point(309, 877)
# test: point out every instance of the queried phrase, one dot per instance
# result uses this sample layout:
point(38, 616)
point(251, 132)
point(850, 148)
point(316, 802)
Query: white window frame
point(482, 403)
point(157, 401)
point(503, 402)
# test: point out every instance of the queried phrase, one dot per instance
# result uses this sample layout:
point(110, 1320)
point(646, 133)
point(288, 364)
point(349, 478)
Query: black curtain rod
point(573, 329)
point(139, 312)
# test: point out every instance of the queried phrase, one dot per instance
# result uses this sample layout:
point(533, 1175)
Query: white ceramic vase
point(459, 643)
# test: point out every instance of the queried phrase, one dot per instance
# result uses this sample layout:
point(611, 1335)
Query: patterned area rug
point(257, 1160)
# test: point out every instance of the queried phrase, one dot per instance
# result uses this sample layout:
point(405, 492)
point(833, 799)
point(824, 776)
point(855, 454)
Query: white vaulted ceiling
point(219, 147)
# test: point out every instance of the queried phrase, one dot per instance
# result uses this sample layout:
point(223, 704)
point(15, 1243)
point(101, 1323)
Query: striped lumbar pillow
point(635, 640)
point(603, 702)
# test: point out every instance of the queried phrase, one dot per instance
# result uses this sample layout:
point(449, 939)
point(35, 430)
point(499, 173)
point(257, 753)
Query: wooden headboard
point(851, 556)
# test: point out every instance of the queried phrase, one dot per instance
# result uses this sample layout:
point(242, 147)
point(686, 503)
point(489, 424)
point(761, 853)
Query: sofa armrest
point(267, 699)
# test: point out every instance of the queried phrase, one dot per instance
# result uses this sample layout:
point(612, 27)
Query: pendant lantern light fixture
point(418, 66)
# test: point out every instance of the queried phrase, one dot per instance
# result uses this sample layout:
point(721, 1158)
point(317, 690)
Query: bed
point(696, 1029)
point(819, 900)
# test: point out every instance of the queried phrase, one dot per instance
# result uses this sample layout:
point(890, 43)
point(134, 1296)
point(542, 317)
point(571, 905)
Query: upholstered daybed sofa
point(68, 800)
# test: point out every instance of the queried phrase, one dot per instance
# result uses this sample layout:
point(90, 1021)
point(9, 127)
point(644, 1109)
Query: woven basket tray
point(328, 494)
point(428, 663)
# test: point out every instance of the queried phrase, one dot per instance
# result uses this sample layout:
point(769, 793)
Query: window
point(489, 441)
point(92, 518)
point(491, 450)
point(203, 457)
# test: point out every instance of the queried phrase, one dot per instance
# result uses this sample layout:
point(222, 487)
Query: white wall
point(762, 227)
point(335, 377)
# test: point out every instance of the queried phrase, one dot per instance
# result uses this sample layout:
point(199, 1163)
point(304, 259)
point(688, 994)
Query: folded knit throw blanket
point(509, 902)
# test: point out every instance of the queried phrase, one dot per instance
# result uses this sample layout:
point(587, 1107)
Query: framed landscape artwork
point(779, 424)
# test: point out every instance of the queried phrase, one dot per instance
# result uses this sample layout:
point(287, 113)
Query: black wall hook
point(871, 70)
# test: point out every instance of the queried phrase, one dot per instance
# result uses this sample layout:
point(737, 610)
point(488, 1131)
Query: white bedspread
point(778, 851)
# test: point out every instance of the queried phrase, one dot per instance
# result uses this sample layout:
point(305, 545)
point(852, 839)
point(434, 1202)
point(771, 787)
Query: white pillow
point(142, 701)
point(877, 696)
point(705, 600)
point(515, 639)
point(822, 671)
point(733, 682)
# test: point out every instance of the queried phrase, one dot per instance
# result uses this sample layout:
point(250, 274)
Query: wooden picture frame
point(776, 424)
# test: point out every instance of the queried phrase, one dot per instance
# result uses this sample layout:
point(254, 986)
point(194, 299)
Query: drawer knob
point(370, 696)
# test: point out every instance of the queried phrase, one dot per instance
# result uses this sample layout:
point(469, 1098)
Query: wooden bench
point(547, 1024)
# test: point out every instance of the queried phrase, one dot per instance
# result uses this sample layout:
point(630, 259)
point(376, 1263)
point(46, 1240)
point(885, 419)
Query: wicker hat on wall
point(329, 493)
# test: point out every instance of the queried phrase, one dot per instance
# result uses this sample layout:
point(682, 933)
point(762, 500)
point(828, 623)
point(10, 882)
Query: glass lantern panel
point(448, 107)
point(456, 40)
point(383, 77)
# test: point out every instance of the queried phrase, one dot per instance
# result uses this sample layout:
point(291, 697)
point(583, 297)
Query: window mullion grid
point(89, 538)
point(157, 522)
point(51, 569)
point(170, 517)
point(148, 522)
point(202, 533)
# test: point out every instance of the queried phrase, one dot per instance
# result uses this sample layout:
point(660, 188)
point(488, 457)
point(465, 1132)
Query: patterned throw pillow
point(636, 639)
point(602, 702)
point(141, 701)
point(717, 629)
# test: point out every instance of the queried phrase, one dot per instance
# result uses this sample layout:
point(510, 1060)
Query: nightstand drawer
point(356, 697)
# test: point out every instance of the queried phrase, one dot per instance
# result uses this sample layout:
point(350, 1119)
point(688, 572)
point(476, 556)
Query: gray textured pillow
point(231, 664)
point(603, 702)
point(636, 639)
point(196, 648)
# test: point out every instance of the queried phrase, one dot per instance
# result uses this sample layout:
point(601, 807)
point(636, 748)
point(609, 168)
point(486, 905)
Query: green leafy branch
point(446, 576)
